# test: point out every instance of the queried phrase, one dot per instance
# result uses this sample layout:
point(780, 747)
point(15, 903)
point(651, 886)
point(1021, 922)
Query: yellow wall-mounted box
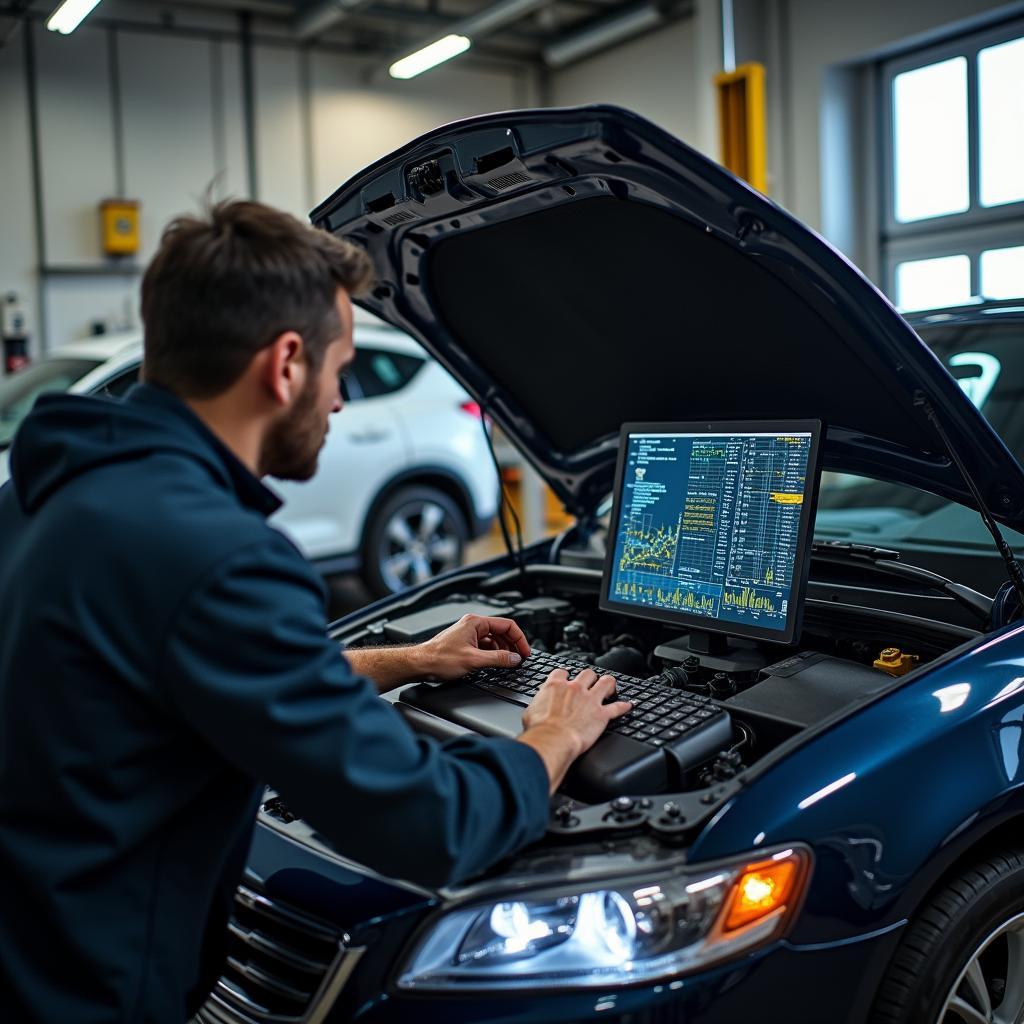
point(119, 226)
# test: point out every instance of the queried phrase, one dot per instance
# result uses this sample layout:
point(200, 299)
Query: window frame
point(363, 366)
point(115, 379)
point(974, 230)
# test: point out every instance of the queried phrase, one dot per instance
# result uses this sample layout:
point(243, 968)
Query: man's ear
point(284, 367)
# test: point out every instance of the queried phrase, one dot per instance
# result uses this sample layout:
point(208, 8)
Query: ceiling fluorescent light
point(429, 57)
point(70, 15)
point(483, 23)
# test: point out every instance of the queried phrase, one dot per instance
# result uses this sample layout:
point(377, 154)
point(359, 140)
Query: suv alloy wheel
point(417, 533)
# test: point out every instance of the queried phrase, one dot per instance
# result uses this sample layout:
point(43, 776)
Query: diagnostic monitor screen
point(711, 525)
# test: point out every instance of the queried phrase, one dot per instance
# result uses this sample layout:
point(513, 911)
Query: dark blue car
point(855, 851)
point(982, 346)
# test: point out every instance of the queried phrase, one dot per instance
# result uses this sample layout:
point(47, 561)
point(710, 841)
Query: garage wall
point(819, 34)
point(667, 77)
point(653, 75)
point(159, 116)
point(354, 124)
point(321, 118)
point(17, 226)
point(282, 137)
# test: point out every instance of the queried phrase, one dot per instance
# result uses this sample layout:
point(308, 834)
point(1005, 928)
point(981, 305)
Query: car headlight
point(620, 934)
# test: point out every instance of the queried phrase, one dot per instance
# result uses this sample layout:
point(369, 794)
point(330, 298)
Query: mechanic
point(163, 650)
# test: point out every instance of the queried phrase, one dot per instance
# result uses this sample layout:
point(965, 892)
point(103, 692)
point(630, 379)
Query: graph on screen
point(709, 525)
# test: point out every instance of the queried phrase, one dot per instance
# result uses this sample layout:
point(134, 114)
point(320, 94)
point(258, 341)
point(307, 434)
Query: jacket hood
point(580, 268)
point(66, 436)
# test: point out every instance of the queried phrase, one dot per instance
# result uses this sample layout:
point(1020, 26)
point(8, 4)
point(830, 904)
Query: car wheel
point(962, 960)
point(416, 534)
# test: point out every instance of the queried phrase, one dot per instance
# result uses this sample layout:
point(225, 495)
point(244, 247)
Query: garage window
point(929, 104)
point(953, 145)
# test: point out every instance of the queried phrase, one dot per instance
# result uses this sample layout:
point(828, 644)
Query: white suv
point(405, 477)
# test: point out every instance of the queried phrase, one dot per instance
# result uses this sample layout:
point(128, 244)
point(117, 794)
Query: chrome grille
point(283, 966)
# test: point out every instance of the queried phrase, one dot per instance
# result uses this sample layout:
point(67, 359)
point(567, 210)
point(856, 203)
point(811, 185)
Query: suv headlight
point(626, 932)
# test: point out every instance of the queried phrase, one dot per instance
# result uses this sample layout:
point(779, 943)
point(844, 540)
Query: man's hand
point(475, 641)
point(567, 716)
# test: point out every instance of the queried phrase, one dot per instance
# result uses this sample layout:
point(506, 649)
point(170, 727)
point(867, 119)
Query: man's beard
point(292, 446)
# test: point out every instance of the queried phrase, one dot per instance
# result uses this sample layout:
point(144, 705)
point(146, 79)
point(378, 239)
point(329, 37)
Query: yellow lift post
point(742, 122)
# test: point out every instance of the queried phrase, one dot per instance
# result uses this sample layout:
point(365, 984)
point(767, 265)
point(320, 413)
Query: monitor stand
point(715, 651)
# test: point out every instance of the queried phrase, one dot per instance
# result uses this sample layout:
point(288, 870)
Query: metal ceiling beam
point(427, 22)
point(316, 18)
point(16, 11)
point(610, 31)
point(490, 19)
point(264, 8)
point(8, 26)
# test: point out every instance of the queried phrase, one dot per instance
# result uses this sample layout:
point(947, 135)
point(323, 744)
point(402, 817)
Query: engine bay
point(770, 693)
point(700, 614)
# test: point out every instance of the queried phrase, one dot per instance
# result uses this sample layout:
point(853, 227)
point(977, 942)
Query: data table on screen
point(710, 525)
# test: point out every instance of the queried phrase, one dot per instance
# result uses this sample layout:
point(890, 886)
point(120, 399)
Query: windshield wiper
point(888, 561)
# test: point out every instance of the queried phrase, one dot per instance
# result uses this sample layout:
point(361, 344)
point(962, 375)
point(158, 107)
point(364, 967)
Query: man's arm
point(475, 641)
point(563, 720)
point(387, 667)
point(247, 666)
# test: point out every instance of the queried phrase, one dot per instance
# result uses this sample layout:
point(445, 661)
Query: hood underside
point(578, 269)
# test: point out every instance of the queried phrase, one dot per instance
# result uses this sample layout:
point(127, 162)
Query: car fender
point(893, 795)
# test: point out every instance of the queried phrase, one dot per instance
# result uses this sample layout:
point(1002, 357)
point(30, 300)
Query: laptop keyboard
point(661, 716)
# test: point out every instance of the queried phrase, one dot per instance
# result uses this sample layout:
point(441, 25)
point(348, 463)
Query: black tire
point(976, 921)
point(419, 506)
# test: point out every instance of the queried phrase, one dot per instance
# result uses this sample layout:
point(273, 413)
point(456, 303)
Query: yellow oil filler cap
point(895, 662)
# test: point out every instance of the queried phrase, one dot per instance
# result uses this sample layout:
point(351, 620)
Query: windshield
point(19, 392)
point(988, 362)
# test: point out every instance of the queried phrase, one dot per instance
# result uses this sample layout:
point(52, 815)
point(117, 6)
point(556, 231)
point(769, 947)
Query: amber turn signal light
point(764, 888)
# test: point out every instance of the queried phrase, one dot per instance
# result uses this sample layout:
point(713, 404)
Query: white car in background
point(405, 476)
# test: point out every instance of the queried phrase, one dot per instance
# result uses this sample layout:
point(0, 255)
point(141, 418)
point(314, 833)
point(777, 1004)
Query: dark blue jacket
point(163, 654)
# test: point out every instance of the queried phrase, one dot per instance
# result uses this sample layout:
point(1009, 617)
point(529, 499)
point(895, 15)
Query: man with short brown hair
point(163, 651)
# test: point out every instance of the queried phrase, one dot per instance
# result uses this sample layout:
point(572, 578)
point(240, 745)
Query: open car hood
point(580, 268)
